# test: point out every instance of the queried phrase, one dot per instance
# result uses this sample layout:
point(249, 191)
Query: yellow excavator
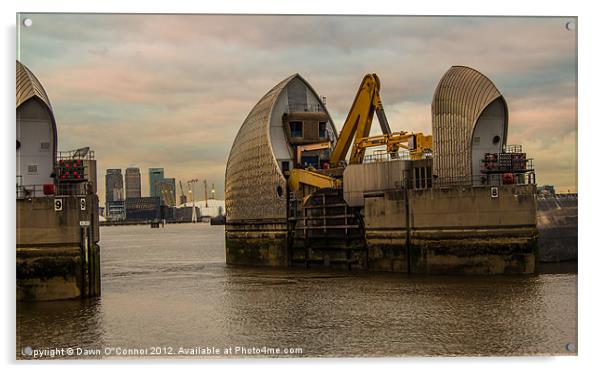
point(356, 130)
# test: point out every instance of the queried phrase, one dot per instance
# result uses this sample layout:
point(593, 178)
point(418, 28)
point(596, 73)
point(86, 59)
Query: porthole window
point(496, 140)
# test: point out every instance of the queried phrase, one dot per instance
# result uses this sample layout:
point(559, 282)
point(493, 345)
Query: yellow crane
point(359, 121)
point(416, 143)
point(356, 131)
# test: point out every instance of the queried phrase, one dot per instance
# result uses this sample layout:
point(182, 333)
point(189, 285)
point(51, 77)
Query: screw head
point(570, 25)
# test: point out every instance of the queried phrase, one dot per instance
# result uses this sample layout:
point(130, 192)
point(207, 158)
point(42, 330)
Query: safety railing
point(45, 190)
point(29, 191)
point(485, 180)
point(513, 148)
point(384, 156)
point(83, 153)
point(311, 108)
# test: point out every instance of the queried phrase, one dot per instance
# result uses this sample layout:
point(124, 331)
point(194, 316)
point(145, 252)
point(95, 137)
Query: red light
point(74, 172)
point(66, 172)
point(67, 164)
point(48, 189)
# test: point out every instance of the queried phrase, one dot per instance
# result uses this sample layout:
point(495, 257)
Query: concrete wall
point(370, 177)
point(455, 230)
point(53, 260)
point(260, 243)
point(38, 223)
point(557, 218)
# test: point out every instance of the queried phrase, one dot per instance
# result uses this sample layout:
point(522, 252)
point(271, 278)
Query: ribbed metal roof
point(29, 86)
point(252, 172)
point(460, 98)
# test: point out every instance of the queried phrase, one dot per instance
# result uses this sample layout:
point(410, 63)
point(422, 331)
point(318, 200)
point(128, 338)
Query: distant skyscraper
point(155, 175)
point(132, 182)
point(114, 185)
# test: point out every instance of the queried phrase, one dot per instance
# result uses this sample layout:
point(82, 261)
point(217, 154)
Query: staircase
point(326, 232)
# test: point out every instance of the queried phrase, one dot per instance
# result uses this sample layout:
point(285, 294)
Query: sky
point(172, 91)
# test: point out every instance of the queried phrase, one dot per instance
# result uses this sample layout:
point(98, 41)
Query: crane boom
point(356, 131)
point(359, 120)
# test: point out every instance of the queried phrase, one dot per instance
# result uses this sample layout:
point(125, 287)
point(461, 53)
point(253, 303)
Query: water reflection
point(170, 287)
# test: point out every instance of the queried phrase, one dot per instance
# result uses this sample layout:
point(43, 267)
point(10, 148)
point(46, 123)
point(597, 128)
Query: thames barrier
point(461, 201)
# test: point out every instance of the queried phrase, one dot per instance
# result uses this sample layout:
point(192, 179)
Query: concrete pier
point(453, 230)
point(58, 256)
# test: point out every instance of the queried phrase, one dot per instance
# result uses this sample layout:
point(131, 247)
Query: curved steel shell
point(460, 98)
point(28, 86)
point(255, 188)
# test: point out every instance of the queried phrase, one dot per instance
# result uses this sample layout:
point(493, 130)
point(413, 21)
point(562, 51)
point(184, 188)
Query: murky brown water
point(169, 288)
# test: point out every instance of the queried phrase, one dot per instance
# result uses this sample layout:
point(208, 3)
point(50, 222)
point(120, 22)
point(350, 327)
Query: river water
point(168, 291)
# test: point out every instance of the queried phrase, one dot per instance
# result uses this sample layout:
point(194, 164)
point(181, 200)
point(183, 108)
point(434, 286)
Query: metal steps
point(326, 232)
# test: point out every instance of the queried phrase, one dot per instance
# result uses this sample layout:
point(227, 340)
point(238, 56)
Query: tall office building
point(132, 182)
point(155, 175)
point(114, 186)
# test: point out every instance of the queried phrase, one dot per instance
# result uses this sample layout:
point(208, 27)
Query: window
point(296, 128)
point(44, 146)
point(32, 169)
point(496, 140)
point(322, 130)
point(285, 166)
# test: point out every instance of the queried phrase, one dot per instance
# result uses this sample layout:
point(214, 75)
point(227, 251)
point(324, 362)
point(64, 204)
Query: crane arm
point(359, 120)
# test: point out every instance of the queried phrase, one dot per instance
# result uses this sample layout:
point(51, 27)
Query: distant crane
point(168, 194)
point(183, 196)
point(191, 184)
point(206, 202)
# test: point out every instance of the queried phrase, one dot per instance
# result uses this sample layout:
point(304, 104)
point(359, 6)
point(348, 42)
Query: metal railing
point(384, 156)
point(83, 153)
point(311, 108)
point(484, 180)
point(37, 190)
point(29, 191)
point(513, 148)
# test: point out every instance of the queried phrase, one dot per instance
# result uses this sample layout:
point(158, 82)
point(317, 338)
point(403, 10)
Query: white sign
point(494, 192)
point(84, 223)
point(58, 204)
point(82, 204)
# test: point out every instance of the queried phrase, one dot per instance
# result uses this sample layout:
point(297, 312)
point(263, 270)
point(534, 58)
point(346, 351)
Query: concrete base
point(53, 273)
point(257, 243)
point(460, 230)
point(466, 258)
point(51, 263)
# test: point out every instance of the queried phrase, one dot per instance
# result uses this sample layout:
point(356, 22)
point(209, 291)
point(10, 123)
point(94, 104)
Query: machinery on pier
point(327, 172)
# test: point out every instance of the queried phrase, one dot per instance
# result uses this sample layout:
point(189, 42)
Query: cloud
point(172, 90)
